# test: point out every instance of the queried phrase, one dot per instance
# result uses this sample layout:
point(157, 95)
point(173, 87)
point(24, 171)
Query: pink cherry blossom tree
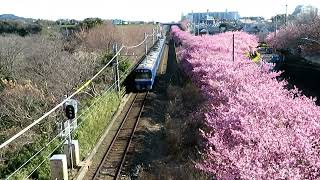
point(294, 36)
point(254, 127)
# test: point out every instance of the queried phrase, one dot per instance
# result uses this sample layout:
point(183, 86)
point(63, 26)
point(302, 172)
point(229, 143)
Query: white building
point(302, 10)
point(309, 9)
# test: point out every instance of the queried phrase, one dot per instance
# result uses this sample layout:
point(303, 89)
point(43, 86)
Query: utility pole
point(233, 47)
point(275, 30)
point(146, 43)
point(207, 21)
point(286, 20)
point(276, 24)
point(193, 24)
point(153, 36)
point(116, 69)
point(198, 24)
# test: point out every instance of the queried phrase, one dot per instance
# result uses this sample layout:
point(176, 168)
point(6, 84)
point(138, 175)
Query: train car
point(146, 71)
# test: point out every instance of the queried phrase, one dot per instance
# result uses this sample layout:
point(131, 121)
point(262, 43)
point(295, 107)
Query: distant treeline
point(19, 27)
point(87, 23)
point(24, 28)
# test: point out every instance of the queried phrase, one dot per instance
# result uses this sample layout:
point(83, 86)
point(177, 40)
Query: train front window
point(143, 75)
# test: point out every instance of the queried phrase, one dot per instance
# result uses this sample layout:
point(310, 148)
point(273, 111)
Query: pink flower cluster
point(254, 127)
point(292, 36)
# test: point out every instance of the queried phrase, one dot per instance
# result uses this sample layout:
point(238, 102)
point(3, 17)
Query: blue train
point(145, 73)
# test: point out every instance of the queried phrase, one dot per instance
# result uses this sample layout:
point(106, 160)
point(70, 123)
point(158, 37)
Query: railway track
point(113, 160)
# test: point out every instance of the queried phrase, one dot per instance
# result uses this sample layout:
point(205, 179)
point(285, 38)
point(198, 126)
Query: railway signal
point(71, 149)
point(70, 112)
point(70, 108)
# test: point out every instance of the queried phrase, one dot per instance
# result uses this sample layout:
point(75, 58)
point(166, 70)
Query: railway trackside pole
point(116, 74)
point(275, 31)
point(286, 19)
point(193, 25)
point(153, 33)
point(198, 24)
point(146, 43)
point(157, 32)
point(207, 31)
point(114, 68)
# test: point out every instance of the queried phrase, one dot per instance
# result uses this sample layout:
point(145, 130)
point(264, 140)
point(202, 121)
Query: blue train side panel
point(146, 71)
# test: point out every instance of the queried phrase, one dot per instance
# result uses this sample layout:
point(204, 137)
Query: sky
point(144, 10)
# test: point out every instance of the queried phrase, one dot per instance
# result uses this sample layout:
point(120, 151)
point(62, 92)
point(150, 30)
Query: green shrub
point(89, 23)
point(125, 65)
point(20, 157)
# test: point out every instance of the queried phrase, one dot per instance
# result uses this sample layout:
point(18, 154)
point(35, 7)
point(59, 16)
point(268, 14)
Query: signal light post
point(59, 163)
point(71, 109)
point(71, 148)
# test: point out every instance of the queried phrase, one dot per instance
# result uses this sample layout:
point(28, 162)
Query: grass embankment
point(95, 120)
